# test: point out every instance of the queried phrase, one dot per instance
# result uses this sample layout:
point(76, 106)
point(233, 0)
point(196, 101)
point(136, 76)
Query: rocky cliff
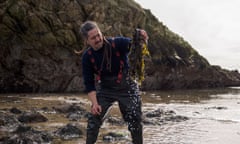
point(38, 39)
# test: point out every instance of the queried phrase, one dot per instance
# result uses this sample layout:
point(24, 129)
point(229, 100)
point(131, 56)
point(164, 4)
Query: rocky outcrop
point(38, 39)
point(190, 77)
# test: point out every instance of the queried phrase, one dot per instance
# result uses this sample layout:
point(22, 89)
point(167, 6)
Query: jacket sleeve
point(88, 73)
point(123, 44)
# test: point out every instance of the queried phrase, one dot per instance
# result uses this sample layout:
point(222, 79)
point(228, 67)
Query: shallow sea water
point(214, 115)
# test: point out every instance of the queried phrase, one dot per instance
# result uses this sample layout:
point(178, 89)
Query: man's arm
point(96, 109)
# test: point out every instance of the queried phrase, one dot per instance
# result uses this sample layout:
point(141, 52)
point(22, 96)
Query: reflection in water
point(190, 96)
point(214, 115)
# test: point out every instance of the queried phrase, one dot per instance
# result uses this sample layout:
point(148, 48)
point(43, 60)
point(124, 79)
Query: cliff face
point(38, 39)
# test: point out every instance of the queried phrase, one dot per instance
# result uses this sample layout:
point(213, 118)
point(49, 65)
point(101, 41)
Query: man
point(106, 61)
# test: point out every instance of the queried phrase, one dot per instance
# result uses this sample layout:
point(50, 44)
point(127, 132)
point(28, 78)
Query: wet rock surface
point(73, 112)
point(112, 137)
point(8, 121)
point(69, 131)
point(28, 135)
point(16, 132)
point(160, 116)
point(32, 117)
point(20, 125)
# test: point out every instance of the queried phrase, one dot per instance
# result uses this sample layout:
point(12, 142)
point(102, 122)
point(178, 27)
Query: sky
point(212, 27)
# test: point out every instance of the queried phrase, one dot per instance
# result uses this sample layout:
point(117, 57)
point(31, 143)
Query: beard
point(98, 45)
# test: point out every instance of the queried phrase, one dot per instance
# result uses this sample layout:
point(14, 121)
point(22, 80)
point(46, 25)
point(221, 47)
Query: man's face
point(95, 39)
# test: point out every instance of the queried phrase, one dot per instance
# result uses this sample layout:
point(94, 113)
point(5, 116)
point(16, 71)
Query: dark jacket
point(95, 65)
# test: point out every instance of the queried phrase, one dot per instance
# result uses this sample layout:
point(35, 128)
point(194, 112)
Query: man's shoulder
point(87, 52)
point(119, 39)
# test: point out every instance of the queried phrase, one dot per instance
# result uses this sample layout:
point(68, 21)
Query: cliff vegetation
point(38, 39)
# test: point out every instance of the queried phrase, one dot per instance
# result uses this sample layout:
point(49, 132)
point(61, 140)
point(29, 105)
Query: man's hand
point(144, 35)
point(96, 109)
